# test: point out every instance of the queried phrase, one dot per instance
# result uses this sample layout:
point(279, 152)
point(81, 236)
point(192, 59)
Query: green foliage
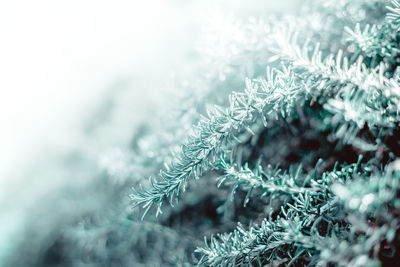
point(220, 130)
point(394, 15)
point(281, 147)
point(313, 212)
point(314, 222)
point(378, 42)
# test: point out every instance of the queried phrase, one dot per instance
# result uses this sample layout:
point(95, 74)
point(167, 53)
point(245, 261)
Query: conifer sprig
point(345, 89)
point(393, 15)
point(379, 42)
point(260, 245)
point(268, 180)
point(346, 216)
point(332, 71)
point(262, 99)
point(318, 235)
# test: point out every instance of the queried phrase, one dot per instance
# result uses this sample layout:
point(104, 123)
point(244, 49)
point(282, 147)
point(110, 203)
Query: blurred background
point(64, 64)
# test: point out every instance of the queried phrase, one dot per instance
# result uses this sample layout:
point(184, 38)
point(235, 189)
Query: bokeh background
point(66, 67)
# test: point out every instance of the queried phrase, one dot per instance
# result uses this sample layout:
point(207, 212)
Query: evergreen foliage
point(281, 147)
point(328, 118)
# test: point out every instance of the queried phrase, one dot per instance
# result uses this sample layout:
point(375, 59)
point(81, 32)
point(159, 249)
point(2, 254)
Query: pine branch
point(349, 89)
point(378, 41)
point(261, 99)
point(370, 196)
point(393, 16)
point(259, 245)
point(322, 230)
point(370, 204)
point(333, 71)
point(269, 180)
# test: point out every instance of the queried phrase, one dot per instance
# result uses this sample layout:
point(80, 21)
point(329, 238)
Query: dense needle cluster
point(310, 150)
point(281, 147)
